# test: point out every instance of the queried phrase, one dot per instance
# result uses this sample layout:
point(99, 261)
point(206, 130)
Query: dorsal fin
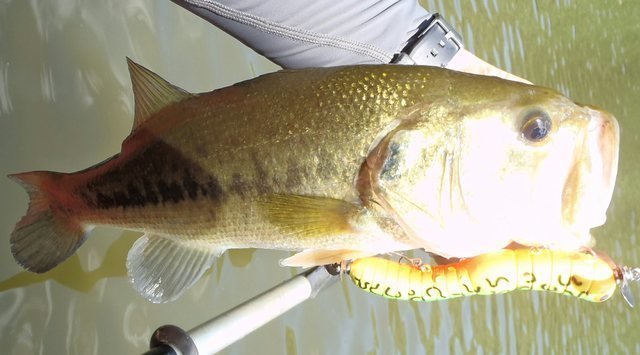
point(151, 92)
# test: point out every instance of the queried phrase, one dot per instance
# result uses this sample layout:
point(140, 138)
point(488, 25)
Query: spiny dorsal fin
point(151, 92)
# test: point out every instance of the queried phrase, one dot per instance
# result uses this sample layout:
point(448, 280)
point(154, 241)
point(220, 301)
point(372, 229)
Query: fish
point(335, 164)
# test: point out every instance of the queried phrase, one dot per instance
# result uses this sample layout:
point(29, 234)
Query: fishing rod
point(588, 276)
point(233, 325)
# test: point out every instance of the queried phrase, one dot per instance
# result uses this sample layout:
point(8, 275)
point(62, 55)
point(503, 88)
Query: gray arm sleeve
point(319, 33)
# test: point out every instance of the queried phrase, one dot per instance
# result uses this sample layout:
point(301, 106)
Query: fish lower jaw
point(451, 248)
point(587, 211)
point(452, 245)
point(565, 240)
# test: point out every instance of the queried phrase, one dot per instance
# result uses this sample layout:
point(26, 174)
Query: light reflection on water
point(65, 104)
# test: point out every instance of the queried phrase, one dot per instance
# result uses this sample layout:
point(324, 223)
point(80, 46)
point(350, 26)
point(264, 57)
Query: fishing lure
point(587, 276)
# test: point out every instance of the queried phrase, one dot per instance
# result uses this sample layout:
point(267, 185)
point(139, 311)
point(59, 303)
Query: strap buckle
point(435, 43)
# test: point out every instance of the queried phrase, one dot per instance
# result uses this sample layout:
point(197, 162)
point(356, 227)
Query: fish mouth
point(589, 187)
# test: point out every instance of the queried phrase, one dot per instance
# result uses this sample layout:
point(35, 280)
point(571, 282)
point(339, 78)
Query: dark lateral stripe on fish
point(239, 186)
point(261, 181)
point(294, 176)
point(164, 192)
point(171, 179)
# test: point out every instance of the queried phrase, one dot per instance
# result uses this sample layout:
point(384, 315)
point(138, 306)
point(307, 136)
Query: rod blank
point(233, 325)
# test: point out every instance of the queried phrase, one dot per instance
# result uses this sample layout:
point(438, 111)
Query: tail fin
point(46, 235)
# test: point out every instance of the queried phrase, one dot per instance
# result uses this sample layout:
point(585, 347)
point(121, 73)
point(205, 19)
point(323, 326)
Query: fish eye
point(537, 126)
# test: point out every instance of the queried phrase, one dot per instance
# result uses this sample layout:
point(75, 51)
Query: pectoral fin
point(310, 258)
point(162, 268)
point(309, 216)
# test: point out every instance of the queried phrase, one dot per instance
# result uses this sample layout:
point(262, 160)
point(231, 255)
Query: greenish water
point(65, 104)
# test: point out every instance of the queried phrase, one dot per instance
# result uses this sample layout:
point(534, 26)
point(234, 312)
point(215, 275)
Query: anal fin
point(161, 268)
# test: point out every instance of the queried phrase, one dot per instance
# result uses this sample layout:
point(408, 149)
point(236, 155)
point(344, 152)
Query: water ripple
point(135, 330)
point(82, 328)
point(6, 106)
point(46, 84)
point(10, 303)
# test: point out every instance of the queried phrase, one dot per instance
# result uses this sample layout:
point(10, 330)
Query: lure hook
point(626, 275)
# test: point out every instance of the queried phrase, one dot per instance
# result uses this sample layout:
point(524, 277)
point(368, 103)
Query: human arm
point(297, 34)
point(467, 62)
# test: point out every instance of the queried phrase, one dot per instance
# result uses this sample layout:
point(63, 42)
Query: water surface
point(65, 104)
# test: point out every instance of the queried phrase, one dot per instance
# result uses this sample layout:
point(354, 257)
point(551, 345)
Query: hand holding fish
point(467, 62)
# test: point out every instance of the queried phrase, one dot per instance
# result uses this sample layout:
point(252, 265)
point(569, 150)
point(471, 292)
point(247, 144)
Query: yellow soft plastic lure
point(587, 276)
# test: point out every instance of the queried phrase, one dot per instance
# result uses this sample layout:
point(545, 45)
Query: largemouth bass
point(337, 163)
